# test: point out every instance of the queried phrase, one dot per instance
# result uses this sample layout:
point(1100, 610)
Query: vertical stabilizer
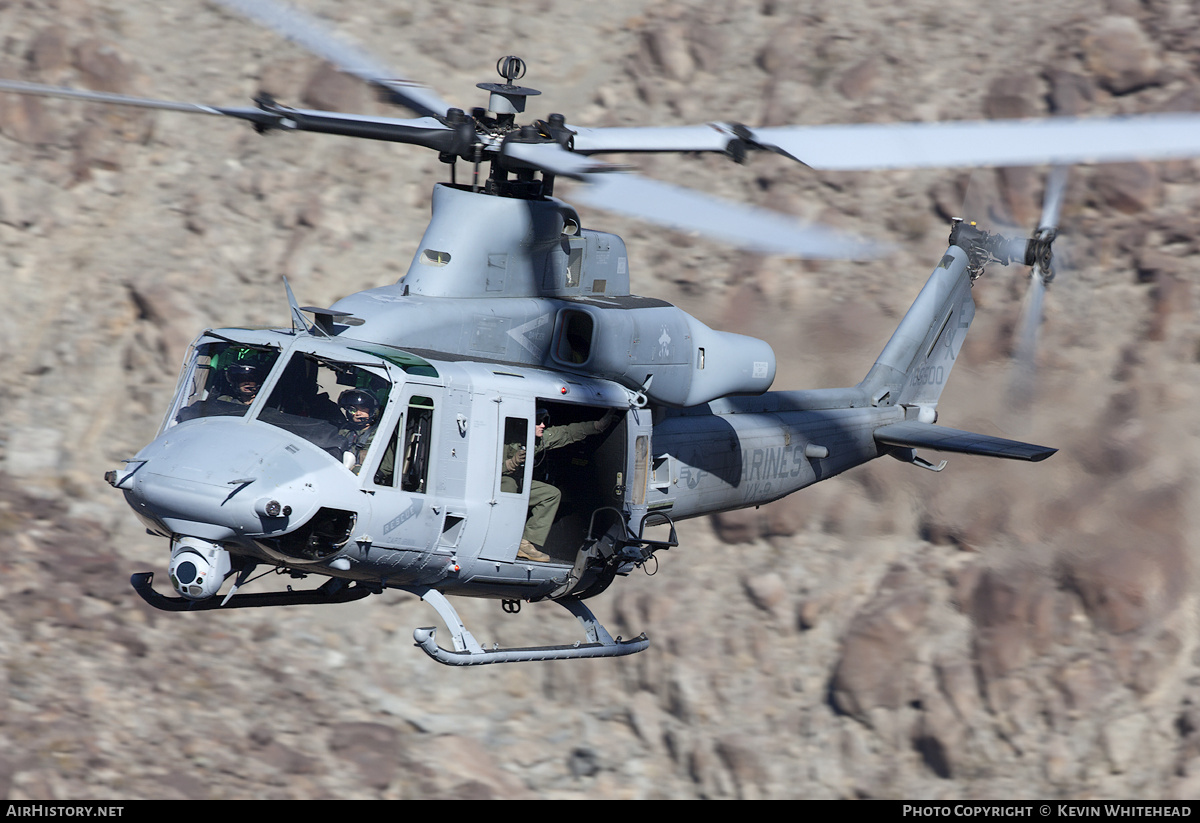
point(916, 362)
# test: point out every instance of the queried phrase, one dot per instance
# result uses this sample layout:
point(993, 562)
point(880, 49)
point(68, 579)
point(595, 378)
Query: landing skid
point(468, 652)
point(333, 590)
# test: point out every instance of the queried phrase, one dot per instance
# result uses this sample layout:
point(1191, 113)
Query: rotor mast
point(505, 101)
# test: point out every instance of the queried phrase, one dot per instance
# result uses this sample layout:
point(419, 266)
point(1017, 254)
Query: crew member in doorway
point(543, 497)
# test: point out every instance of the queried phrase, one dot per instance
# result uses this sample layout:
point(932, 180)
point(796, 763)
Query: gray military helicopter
point(508, 421)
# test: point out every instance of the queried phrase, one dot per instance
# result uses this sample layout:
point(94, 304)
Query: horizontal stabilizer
point(913, 434)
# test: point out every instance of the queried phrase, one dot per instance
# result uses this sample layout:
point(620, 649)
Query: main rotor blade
point(740, 225)
point(609, 187)
point(552, 159)
point(869, 146)
point(39, 90)
point(617, 190)
point(421, 131)
point(309, 33)
point(1054, 141)
point(707, 137)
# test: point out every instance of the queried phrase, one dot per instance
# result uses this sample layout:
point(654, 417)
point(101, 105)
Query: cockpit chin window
point(223, 379)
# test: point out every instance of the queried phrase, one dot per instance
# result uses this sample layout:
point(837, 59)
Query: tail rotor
point(1038, 255)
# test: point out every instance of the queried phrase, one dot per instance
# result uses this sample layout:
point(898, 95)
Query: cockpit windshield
point(334, 405)
point(224, 379)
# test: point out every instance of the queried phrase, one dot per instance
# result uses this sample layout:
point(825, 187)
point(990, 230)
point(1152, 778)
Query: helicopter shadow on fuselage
point(590, 473)
point(753, 450)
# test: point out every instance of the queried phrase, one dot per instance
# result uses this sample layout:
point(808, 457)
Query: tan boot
point(528, 551)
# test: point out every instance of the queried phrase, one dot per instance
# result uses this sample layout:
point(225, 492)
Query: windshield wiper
point(343, 366)
point(254, 346)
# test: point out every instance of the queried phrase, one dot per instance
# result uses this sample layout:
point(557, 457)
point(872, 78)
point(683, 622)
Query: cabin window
point(410, 438)
point(512, 455)
point(641, 461)
point(418, 428)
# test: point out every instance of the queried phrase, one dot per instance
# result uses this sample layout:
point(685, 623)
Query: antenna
point(507, 99)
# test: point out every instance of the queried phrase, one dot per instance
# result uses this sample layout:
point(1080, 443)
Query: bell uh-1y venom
point(508, 420)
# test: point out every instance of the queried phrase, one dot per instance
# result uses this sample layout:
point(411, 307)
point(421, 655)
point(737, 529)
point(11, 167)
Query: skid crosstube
point(468, 652)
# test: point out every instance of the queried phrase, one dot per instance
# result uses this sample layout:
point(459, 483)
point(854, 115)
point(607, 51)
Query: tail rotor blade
point(1025, 350)
point(1056, 187)
point(1029, 326)
point(1031, 318)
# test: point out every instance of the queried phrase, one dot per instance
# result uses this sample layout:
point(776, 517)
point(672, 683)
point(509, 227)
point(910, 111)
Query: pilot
point(244, 381)
point(361, 411)
point(543, 497)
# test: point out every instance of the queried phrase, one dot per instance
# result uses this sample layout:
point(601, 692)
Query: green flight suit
point(543, 497)
point(357, 441)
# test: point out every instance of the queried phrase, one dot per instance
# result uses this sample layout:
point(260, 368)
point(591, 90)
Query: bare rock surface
point(997, 630)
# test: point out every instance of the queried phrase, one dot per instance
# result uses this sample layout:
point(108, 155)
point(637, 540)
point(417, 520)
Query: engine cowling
point(662, 350)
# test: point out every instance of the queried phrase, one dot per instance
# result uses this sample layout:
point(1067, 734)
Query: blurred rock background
point(997, 630)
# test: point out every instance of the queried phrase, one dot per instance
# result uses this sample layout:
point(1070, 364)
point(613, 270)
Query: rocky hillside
point(996, 630)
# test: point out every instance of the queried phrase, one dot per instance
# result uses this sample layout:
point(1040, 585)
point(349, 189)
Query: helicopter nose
point(220, 480)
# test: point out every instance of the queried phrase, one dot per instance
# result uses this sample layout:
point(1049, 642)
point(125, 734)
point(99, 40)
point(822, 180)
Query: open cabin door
point(639, 460)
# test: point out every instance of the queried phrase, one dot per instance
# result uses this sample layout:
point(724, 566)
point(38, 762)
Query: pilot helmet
point(238, 373)
point(358, 399)
point(543, 417)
